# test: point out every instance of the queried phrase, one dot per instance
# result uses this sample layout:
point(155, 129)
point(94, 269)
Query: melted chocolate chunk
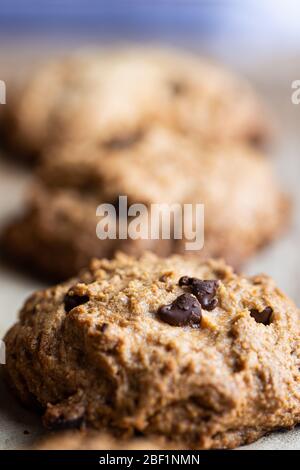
point(72, 301)
point(263, 317)
point(205, 291)
point(185, 310)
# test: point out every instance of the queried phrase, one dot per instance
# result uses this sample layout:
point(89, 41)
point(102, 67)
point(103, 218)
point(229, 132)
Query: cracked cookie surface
point(95, 352)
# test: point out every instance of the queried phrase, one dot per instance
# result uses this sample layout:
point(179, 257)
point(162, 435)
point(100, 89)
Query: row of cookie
point(154, 126)
point(176, 348)
point(244, 207)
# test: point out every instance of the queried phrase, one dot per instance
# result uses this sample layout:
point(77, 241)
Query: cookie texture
point(244, 206)
point(110, 96)
point(96, 352)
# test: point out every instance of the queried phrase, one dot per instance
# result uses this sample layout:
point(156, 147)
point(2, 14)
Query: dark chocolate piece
point(263, 317)
point(185, 310)
point(72, 301)
point(205, 291)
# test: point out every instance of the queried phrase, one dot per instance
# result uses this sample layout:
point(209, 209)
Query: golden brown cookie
point(244, 207)
point(111, 96)
point(177, 348)
point(56, 236)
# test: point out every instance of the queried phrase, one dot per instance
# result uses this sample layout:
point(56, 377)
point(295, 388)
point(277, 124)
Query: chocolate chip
point(121, 143)
point(185, 310)
point(177, 87)
point(185, 281)
point(72, 301)
point(263, 317)
point(104, 327)
point(205, 291)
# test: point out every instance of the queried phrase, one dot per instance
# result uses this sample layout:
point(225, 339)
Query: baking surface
point(19, 427)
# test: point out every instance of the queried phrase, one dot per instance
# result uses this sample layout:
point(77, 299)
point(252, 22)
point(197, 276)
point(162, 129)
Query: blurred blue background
point(235, 24)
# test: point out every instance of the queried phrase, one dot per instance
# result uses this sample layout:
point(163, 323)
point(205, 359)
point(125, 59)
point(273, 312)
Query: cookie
point(177, 348)
point(56, 236)
point(111, 96)
point(244, 207)
point(160, 167)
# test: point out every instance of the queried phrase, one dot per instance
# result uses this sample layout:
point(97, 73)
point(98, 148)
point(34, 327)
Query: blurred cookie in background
point(111, 96)
point(56, 236)
point(244, 206)
point(161, 166)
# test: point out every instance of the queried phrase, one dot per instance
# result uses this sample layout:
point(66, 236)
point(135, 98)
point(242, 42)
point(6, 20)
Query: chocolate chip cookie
point(57, 237)
point(177, 348)
point(244, 207)
point(112, 96)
